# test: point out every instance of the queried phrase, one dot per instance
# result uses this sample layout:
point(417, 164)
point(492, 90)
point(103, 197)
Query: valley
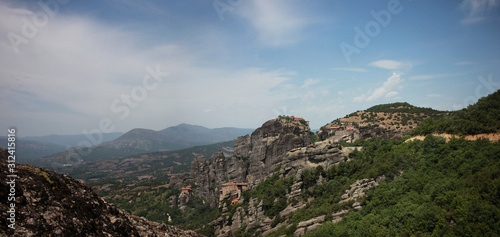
point(283, 179)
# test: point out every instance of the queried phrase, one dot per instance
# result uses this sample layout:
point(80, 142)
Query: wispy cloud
point(278, 23)
point(390, 64)
point(78, 66)
point(349, 69)
point(387, 90)
point(309, 82)
point(477, 10)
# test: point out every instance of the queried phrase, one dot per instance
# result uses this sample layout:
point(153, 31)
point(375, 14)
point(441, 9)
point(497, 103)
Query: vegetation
point(482, 117)
point(432, 188)
point(399, 116)
point(402, 107)
point(159, 164)
point(445, 189)
point(150, 199)
point(273, 193)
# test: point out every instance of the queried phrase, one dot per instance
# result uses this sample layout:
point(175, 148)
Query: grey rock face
point(255, 157)
point(268, 146)
point(281, 142)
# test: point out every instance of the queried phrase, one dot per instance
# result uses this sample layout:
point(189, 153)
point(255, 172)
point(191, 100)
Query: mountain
point(28, 150)
point(138, 141)
point(73, 140)
point(193, 134)
point(386, 187)
point(359, 175)
point(46, 203)
point(365, 178)
point(146, 140)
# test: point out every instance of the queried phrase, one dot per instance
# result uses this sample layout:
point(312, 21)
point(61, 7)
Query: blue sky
point(70, 66)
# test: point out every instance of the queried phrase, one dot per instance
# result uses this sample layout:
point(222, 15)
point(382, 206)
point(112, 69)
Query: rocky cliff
point(282, 144)
point(267, 146)
point(52, 204)
point(255, 156)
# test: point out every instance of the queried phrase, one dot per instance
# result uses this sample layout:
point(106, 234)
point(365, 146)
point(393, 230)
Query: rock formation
point(283, 143)
point(52, 204)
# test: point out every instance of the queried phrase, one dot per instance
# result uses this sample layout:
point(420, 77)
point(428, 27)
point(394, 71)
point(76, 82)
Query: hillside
point(139, 141)
point(392, 121)
point(29, 150)
point(385, 188)
point(72, 140)
point(156, 165)
point(337, 186)
point(482, 117)
point(283, 181)
point(199, 135)
point(401, 116)
point(52, 204)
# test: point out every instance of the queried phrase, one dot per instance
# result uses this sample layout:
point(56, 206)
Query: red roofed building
point(234, 201)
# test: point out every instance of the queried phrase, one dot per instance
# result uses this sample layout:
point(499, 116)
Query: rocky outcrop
point(209, 175)
point(255, 157)
point(267, 146)
point(362, 132)
point(280, 143)
point(52, 204)
point(324, 153)
point(355, 193)
point(309, 225)
point(358, 190)
point(254, 218)
point(367, 132)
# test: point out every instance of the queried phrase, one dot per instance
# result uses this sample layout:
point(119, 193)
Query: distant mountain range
point(138, 141)
point(29, 148)
point(71, 140)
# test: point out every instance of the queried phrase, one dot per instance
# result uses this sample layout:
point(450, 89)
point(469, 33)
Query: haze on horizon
point(68, 66)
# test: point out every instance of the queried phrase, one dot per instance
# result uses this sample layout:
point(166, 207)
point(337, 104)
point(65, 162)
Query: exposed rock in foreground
point(52, 204)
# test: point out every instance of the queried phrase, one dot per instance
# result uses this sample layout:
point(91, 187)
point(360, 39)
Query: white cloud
point(278, 23)
point(477, 10)
point(390, 64)
point(310, 82)
point(66, 78)
point(386, 90)
point(391, 94)
point(349, 69)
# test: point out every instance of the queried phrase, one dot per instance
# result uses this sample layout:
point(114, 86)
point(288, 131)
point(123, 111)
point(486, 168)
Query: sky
point(72, 67)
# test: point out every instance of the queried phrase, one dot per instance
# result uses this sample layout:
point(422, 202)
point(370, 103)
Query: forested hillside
point(410, 188)
point(482, 117)
point(434, 188)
